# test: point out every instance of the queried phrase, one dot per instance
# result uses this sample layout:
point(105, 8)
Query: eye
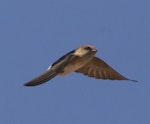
point(87, 48)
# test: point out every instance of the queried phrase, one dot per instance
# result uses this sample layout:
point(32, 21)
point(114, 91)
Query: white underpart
point(49, 67)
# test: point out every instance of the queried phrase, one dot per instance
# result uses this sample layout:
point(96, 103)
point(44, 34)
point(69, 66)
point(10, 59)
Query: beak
point(94, 50)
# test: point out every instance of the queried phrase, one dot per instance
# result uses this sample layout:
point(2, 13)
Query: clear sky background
point(35, 33)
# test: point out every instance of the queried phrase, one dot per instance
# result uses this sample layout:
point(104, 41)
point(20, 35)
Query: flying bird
point(81, 60)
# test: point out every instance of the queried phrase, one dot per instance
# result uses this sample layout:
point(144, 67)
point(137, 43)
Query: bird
point(80, 60)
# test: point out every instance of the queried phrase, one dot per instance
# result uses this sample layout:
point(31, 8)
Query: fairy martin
point(80, 60)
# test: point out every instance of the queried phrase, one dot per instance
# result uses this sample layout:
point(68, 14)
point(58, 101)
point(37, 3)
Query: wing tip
point(132, 80)
point(32, 83)
point(29, 84)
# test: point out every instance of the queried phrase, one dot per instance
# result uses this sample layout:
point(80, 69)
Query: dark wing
point(49, 74)
point(52, 71)
point(97, 68)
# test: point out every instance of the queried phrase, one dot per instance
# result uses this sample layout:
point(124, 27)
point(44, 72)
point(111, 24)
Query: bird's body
point(76, 63)
point(81, 60)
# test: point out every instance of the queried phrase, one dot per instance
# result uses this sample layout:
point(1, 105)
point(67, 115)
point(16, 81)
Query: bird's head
point(85, 50)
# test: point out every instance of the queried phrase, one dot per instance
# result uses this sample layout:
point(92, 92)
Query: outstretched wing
point(97, 68)
point(52, 71)
point(49, 74)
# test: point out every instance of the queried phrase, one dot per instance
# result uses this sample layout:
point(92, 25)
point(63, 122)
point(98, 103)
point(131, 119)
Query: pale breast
point(75, 64)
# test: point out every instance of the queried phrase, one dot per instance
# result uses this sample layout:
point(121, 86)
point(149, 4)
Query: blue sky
point(35, 33)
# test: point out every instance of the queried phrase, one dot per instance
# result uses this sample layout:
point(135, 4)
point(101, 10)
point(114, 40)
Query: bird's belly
point(74, 65)
point(68, 69)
